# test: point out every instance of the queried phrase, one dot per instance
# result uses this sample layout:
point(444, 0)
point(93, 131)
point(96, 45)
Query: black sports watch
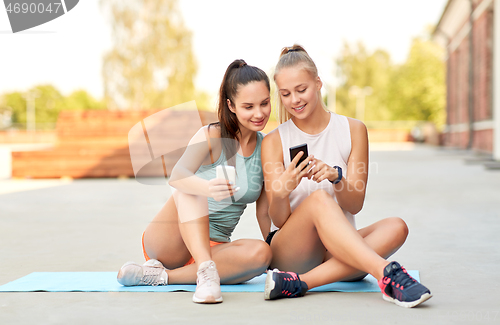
point(339, 170)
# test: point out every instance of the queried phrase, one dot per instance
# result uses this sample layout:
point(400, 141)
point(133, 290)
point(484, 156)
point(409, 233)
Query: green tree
point(49, 102)
point(151, 64)
point(13, 104)
point(418, 88)
point(413, 91)
point(358, 67)
point(81, 100)
point(204, 102)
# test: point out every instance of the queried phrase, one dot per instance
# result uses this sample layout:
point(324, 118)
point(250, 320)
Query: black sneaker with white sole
point(283, 285)
point(400, 288)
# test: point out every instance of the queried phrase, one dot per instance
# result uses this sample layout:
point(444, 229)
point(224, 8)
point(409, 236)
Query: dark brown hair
point(238, 73)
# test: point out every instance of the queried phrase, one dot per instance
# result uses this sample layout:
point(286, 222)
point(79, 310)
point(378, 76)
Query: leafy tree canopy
point(414, 90)
point(48, 103)
point(151, 64)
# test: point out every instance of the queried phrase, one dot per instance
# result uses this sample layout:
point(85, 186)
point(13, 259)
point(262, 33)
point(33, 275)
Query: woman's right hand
point(221, 189)
point(292, 176)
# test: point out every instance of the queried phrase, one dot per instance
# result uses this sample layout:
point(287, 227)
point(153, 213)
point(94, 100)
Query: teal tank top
point(225, 215)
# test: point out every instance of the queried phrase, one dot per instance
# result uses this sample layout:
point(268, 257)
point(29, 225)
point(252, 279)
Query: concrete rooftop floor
point(452, 209)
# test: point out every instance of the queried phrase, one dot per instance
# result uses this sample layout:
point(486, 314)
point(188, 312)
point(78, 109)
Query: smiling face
point(252, 106)
point(299, 91)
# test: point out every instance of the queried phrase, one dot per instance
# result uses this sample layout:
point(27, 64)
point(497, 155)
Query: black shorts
point(270, 237)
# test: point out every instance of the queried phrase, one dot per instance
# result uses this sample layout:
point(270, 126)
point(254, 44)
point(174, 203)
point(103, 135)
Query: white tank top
point(332, 146)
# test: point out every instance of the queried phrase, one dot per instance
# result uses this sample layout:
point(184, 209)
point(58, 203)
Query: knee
point(400, 228)
point(320, 195)
point(178, 195)
point(260, 254)
point(321, 198)
point(319, 202)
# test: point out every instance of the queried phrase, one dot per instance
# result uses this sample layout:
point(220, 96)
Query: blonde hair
point(291, 57)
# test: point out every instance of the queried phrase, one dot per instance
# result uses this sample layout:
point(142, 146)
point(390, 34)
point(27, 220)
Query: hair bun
point(294, 48)
point(242, 64)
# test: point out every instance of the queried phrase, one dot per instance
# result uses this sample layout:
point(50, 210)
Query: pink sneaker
point(207, 284)
point(151, 273)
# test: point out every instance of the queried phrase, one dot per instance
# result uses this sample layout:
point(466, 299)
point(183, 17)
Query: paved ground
point(452, 209)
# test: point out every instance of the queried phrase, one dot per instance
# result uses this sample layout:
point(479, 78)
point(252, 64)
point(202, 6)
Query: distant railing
point(394, 125)
point(23, 127)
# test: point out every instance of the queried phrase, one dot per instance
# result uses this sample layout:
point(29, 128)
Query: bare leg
point(195, 232)
point(317, 225)
point(236, 262)
point(163, 240)
point(385, 237)
point(174, 241)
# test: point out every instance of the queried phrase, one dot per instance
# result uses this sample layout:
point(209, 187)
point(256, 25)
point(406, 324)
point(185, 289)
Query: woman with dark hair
point(313, 202)
point(188, 240)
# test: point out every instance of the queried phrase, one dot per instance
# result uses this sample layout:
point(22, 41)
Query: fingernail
point(231, 183)
point(237, 189)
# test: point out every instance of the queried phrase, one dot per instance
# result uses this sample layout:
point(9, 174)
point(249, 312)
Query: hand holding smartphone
point(296, 149)
point(226, 172)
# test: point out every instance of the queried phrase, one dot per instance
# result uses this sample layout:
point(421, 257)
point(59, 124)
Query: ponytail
point(237, 73)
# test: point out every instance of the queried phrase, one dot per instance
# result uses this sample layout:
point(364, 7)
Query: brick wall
point(458, 85)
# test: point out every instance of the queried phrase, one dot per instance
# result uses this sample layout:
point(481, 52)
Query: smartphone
point(226, 172)
point(295, 150)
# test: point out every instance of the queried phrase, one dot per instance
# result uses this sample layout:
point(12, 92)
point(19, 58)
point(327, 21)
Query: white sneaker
point(151, 273)
point(207, 284)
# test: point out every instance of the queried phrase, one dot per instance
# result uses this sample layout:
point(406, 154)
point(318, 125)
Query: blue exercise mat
point(106, 282)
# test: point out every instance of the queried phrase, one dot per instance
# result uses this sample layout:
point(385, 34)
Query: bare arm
point(263, 214)
point(280, 182)
point(183, 174)
point(351, 190)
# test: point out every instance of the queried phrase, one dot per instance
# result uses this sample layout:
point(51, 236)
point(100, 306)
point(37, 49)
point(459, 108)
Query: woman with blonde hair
point(312, 202)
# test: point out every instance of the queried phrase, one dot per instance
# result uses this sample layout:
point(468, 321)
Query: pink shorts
point(191, 260)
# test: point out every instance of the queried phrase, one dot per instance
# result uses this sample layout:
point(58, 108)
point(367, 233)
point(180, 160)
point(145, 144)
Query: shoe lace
point(152, 276)
point(403, 278)
point(206, 275)
point(290, 284)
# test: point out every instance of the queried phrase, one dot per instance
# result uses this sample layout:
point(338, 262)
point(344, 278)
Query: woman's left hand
point(322, 171)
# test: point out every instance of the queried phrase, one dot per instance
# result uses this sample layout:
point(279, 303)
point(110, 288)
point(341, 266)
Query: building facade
point(469, 30)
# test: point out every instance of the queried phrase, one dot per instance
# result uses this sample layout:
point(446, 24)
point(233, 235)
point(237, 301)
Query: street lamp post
point(30, 110)
point(360, 94)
